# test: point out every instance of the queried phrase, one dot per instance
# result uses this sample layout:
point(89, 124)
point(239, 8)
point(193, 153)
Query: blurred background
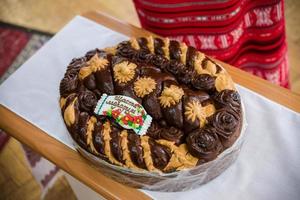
point(25, 25)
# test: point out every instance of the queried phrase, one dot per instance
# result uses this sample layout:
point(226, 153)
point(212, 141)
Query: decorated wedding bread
point(150, 104)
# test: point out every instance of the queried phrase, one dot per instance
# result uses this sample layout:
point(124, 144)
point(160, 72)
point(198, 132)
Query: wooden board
point(74, 164)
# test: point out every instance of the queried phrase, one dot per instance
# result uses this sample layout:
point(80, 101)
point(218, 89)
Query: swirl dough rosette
point(204, 143)
point(195, 108)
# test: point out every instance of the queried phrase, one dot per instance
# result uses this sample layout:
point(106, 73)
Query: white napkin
point(268, 166)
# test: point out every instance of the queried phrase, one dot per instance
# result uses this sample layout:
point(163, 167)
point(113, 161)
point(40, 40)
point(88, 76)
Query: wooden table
point(70, 161)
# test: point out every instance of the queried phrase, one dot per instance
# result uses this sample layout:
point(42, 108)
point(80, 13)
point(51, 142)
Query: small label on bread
point(126, 111)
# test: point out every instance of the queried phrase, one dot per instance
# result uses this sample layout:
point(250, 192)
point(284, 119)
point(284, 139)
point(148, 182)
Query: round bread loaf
point(195, 108)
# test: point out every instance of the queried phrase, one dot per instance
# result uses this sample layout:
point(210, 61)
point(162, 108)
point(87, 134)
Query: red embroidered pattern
point(249, 34)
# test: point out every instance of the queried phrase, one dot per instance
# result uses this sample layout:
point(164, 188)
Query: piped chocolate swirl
point(195, 108)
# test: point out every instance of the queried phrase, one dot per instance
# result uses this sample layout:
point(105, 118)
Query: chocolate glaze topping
point(143, 56)
point(143, 43)
point(160, 154)
point(77, 63)
point(69, 83)
point(185, 106)
point(87, 101)
point(228, 99)
point(174, 50)
point(98, 140)
point(135, 149)
point(204, 143)
point(225, 122)
point(203, 82)
point(115, 145)
point(158, 44)
point(172, 134)
point(160, 61)
point(125, 50)
point(81, 128)
point(190, 57)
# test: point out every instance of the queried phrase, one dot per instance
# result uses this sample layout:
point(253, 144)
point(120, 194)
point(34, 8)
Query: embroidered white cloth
point(268, 165)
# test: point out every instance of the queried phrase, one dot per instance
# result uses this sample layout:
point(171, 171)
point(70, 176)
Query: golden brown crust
point(69, 114)
point(111, 50)
point(150, 43)
point(223, 82)
point(147, 154)
point(198, 62)
point(211, 68)
point(134, 43)
point(166, 48)
point(85, 72)
point(183, 48)
point(186, 158)
point(180, 156)
point(209, 110)
point(62, 102)
point(89, 133)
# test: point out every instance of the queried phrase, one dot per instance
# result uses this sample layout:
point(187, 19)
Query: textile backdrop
point(249, 34)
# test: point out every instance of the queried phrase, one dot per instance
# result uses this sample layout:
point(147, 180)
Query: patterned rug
point(16, 46)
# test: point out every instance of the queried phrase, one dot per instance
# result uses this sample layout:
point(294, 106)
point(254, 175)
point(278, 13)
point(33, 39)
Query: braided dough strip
point(126, 153)
point(180, 157)
point(106, 137)
point(223, 80)
point(91, 125)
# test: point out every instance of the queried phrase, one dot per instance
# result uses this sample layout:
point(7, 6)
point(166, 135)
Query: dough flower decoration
point(170, 96)
point(194, 110)
point(230, 99)
point(93, 65)
point(124, 71)
point(144, 86)
point(69, 83)
point(225, 122)
point(204, 144)
point(87, 100)
point(96, 63)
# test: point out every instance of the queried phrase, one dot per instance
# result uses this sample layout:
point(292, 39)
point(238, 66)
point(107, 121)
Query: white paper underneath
point(267, 168)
